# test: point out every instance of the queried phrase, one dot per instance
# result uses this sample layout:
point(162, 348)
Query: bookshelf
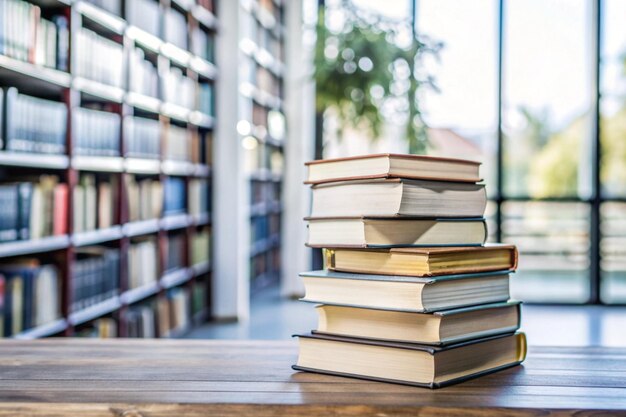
point(136, 129)
point(263, 133)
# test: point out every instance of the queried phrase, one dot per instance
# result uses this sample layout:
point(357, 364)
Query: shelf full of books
point(105, 166)
point(262, 131)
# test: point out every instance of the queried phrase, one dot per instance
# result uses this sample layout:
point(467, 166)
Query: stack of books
point(411, 293)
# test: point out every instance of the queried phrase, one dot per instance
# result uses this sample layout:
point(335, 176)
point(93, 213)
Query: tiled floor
point(273, 317)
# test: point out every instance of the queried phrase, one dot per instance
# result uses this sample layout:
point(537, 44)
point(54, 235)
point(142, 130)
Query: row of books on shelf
point(262, 191)
point(98, 58)
point(264, 227)
point(265, 265)
point(263, 37)
point(178, 89)
point(143, 76)
point(156, 317)
point(95, 277)
point(29, 295)
point(260, 77)
point(27, 36)
point(31, 124)
point(94, 201)
point(30, 292)
point(31, 210)
point(38, 207)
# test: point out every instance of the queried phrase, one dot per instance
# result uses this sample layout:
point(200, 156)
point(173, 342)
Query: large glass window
point(462, 112)
point(546, 98)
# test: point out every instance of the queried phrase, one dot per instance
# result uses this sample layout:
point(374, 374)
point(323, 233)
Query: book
point(96, 133)
point(392, 166)
point(142, 137)
point(60, 215)
point(410, 364)
point(423, 261)
point(400, 293)
point(33, 124)
point(98, 58)
point(362, 232)
point(398, 197)
point(142, 262)
point(31, 295)
point(95, 276)
point(437, 328)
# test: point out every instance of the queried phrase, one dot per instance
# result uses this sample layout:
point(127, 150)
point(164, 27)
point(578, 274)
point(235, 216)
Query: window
point(519, 91)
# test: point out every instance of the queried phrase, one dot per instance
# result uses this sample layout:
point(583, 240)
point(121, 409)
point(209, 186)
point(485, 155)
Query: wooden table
point(155, 378)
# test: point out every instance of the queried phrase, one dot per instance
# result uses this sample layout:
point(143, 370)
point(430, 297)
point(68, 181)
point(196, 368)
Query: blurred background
point(152, 152)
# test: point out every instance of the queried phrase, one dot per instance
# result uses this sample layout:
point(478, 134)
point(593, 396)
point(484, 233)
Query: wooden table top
point(157, 378)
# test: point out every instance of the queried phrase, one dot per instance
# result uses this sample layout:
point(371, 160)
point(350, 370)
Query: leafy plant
point(369, 71)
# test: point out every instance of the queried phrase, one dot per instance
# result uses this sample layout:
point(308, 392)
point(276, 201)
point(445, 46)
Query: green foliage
point(365, 76)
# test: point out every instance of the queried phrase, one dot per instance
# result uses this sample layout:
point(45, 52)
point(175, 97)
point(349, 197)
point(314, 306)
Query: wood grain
point(154, 378)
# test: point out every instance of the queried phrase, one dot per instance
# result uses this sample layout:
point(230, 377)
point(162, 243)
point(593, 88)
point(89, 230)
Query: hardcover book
point(437, 328)
point(392, 166)
point(423, 261)
point(400, 293)
point(399, 197)
point(406, 363)
point(363, 232)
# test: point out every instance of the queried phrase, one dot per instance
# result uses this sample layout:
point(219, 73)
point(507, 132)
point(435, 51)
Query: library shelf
point(93, 237)
point(142, 166)
point(21, 72)
point(98, 91)
point(175, 54)
point(48, 329)
point(27, 247)
point(103, 18)
point(262, 56)
point(264, 245)
point(34, 160)
point(144, 39)
point(84, 91)
point(140, 293)
point(175, 278)
point(180, 168)
point(201, 171)
point(176, 112)
point(205, 17)
point(175, 221)
point(201, 268)
point(203, 68)
point(143, 102)
point(95, 311)
point(98, 163)
point(141, 227)
point(181, 4)
point(265, 18)
point(261, 97)
point(263, 208)
point(201, 120)
point(201, 219)
point(265, 174)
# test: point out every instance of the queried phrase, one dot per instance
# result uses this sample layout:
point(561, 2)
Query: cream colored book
point(399, 293)
point(398, 197)
point(392, 165)
point(408, 363)
point(361, 232)
point(437, 328)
